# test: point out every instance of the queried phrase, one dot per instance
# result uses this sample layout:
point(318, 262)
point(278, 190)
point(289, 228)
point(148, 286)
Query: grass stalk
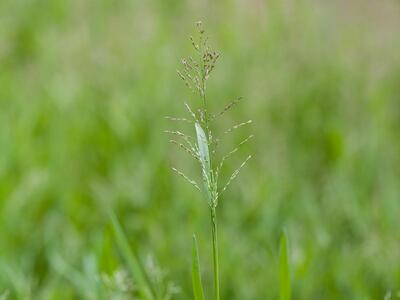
point(214, 231)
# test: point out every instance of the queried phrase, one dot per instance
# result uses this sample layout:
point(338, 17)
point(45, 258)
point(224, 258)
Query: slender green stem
point(215, 251)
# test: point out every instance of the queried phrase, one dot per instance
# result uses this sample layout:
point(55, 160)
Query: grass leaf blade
point(196, 276)
point(203, 148)
point(134, 265)
point(204, 157)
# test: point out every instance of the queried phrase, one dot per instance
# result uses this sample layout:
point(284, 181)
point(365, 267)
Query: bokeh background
point(84, 88)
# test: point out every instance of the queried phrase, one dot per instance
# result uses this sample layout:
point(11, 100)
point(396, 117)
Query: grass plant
point(203, 145)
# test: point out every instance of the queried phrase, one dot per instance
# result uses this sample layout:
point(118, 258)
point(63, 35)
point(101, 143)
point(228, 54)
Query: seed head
point(195, 72)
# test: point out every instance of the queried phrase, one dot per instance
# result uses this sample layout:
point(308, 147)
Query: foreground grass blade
point(135, 267)
point(196, 276)
point(284, 274)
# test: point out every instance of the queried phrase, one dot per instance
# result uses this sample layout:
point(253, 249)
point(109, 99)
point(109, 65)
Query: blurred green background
point(84, 87)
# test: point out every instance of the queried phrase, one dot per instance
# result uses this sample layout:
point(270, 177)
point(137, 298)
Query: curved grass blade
point(134, 265)
point(284, 274)
point(196, 276)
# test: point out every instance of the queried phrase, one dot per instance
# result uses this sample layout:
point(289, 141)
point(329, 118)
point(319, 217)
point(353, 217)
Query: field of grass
point(84, 88)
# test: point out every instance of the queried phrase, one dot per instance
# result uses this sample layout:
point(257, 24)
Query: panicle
point(194, 72)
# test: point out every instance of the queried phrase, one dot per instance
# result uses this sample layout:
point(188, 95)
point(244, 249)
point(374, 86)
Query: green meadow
point(84, 90)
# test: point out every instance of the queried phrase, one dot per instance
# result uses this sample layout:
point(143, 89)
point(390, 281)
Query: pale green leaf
point(204, 157)
point(203, 148)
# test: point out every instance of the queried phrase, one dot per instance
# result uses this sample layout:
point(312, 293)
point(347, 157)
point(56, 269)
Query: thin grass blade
point(196, 276)
point(134, 265)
